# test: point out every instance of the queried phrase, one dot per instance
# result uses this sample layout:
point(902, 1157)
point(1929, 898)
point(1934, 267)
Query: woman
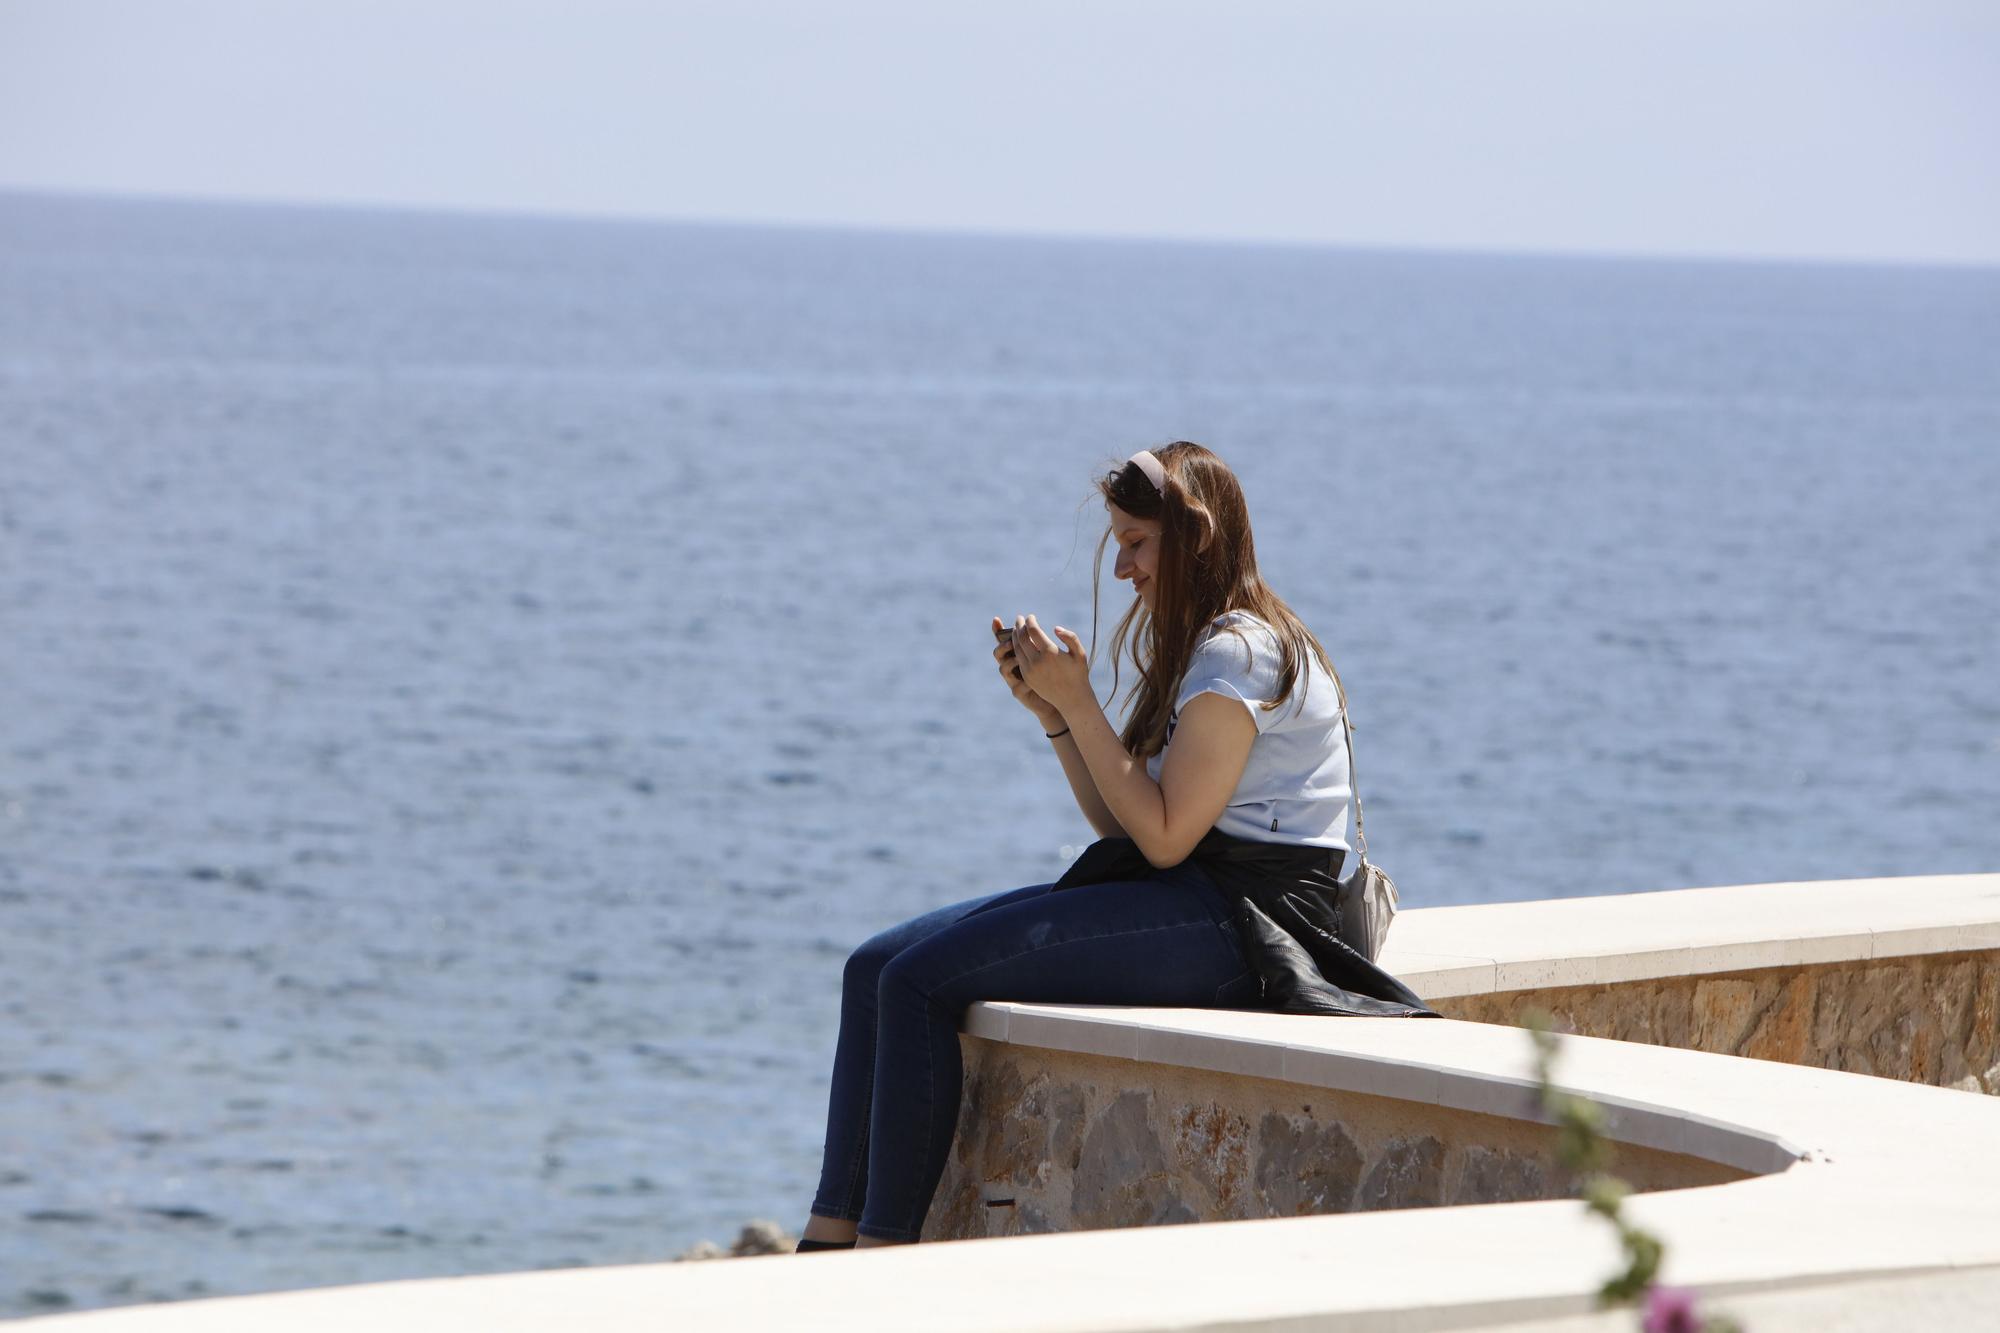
point(1230, 777)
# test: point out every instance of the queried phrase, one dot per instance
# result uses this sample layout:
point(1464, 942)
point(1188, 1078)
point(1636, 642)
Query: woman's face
point(1138, 550)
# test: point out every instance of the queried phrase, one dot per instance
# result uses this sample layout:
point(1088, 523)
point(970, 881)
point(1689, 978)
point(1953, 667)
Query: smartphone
point(1005, 634)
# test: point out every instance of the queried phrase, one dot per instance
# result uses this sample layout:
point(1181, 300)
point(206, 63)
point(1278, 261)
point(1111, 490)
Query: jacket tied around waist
point(1290, 907)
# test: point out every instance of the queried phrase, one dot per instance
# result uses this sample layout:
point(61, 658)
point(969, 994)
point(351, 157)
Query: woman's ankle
point(835, 1229)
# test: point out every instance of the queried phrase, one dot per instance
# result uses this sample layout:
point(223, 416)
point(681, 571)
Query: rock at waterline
point(757, 1238)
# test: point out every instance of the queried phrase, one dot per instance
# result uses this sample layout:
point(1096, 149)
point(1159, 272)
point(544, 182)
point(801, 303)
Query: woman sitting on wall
point(1223, 877)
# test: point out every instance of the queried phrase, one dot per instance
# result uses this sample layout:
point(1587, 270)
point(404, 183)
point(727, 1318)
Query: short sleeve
point(1238, 665)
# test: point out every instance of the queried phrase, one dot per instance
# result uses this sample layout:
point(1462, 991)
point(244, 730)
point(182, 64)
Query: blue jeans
point(1168, 940)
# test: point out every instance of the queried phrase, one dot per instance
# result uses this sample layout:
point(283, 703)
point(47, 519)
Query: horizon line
point(532, 213)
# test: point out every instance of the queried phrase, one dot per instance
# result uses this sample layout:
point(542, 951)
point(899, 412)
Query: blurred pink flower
point(1670, 1310)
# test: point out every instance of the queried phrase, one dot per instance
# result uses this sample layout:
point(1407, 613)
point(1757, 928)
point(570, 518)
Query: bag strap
point(1353, 781)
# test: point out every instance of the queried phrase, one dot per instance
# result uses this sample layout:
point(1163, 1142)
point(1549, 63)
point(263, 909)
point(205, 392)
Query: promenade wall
point(1049, 1141)
point(1793, 1075)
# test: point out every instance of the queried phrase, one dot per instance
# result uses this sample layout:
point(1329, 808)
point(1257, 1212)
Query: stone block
point(1488, 1175)
point(1016, 1134)
point(1066, 1125)
point(1305, 1167)
point(1725, 1011)
point(956, 1210)
point(1031, 1221)
point(1211, 1145)
point(1948, 994)
point(1781, 1027)
point(1122, 1176)
point(1983, 1027)
point(1409, 1173)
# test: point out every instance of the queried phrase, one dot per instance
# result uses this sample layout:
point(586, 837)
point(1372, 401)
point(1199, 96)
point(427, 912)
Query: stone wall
point(1928, 1018)
point(1055, 1141)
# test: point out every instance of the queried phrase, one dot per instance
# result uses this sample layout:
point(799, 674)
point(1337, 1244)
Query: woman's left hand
point(1061, 678)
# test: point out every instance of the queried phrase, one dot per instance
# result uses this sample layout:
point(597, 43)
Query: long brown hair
point(1208, 566)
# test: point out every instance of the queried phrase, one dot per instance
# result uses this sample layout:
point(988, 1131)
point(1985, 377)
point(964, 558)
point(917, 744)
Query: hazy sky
point(1818, 129)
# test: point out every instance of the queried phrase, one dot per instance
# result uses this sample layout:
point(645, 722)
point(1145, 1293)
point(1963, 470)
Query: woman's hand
point(1010, 671)
point(1061, 678)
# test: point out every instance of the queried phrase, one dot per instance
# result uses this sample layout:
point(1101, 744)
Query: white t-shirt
point(1298, 784)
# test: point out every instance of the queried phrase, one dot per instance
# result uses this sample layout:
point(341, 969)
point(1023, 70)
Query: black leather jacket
point(1289, 904)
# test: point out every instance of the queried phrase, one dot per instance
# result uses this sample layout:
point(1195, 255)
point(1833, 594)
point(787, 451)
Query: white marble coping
point(1445, 951)
point(1866, 1179)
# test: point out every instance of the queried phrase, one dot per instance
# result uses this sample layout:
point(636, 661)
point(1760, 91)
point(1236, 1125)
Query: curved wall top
point(1857, 1176)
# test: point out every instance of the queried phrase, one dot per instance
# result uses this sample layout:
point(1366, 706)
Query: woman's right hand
point(1010, 671)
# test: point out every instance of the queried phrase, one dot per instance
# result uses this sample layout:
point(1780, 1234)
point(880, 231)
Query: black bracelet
point(1053, 734)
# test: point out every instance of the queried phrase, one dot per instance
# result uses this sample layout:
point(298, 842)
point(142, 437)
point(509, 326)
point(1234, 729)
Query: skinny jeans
point(1168, 940)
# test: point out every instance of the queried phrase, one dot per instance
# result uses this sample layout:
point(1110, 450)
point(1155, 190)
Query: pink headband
point(1151, 467)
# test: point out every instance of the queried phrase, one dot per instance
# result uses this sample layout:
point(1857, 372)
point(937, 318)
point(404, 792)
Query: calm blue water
point(469, 682)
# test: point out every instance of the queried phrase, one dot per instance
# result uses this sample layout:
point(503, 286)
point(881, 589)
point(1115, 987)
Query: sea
point(470, 681)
